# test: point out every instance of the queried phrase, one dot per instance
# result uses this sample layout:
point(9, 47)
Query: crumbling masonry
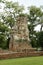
point(20, 36)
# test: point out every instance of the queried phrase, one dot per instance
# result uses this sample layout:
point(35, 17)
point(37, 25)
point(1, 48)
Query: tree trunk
point(41, 27)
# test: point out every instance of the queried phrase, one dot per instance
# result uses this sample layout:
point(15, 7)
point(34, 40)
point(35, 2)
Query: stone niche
point(20, 35)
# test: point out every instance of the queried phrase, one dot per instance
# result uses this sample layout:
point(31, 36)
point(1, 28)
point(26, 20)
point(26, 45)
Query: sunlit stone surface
point(20, 35)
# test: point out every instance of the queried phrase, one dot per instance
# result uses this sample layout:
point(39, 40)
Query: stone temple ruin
point(19, 45)
point(20, 36)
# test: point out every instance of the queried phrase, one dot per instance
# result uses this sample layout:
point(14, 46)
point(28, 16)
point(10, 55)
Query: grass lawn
point(23, 61)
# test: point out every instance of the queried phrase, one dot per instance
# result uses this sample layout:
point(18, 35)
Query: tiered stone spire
point(20, 35)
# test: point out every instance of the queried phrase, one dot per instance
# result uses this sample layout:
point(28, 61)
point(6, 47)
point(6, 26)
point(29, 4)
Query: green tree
point(34, 19)
point(12, 10)
point(3, 35)
point(7, 20)
point(40, 39)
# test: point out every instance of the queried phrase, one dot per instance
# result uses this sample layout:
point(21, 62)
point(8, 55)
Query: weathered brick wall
point(9, 55)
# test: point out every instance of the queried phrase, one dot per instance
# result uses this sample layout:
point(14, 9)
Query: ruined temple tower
point(20, 35)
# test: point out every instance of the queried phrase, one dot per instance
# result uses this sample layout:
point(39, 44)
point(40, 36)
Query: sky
point(29, 2)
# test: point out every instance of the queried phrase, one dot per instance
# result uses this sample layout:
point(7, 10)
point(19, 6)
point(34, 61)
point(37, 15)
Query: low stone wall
point(9, 55)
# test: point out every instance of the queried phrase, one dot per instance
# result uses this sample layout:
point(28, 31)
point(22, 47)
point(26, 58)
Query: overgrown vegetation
point(9, 16)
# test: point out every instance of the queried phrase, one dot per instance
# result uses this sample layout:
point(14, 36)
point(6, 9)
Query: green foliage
point(3, 41)
point(34, 17)
point(3, 27)
point(10, 12)
point(35, 11)
point(3, 35)
point(40, 38)
point(12, 9)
